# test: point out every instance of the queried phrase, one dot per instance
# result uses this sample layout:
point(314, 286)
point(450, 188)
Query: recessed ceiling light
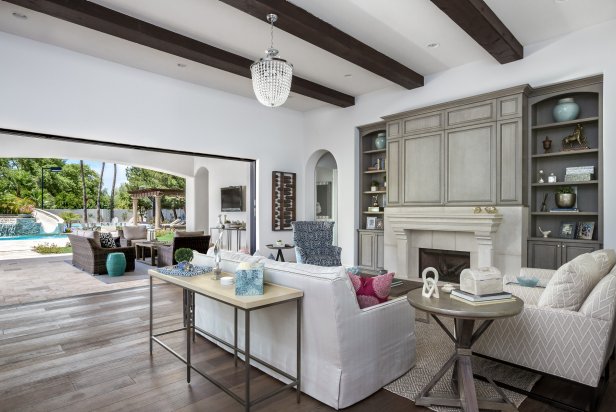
point(560, 1)
point(182, 65)
point(433, 45)
point(20, 16)
point(348, 75)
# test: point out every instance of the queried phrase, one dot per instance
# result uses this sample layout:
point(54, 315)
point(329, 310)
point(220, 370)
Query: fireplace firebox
point(448, 263)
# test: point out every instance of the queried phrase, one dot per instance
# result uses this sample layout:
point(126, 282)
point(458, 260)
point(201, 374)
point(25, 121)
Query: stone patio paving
point(52, 276)
point(20, 249)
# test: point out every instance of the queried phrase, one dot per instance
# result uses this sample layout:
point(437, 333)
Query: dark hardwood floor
point(91, 353)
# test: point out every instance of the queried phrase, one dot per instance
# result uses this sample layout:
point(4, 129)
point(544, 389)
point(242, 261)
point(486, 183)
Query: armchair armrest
point(530, 296)
point(544, 276)
point(555, 341)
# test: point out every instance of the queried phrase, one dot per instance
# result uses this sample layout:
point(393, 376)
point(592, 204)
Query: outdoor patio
point(52, 277)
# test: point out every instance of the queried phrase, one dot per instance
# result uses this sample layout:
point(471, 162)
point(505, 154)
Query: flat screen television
point(232, 199)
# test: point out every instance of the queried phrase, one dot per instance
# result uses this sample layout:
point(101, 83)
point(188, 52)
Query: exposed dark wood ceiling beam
point(96, 17)
point(480, 22)
point(306, 26)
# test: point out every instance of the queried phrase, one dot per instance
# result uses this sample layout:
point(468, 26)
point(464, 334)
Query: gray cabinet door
point(572, 250)
point(509, 165)
point(544, 255)
point(393, 172)
point(423, 123)
point(366, 249)
point(471, 165)
point(471, 113)
point(379, 246)
point(394, 129)
point(510, 106)
point(422, 169)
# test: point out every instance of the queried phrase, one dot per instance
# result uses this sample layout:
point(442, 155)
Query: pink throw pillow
point(371, 291)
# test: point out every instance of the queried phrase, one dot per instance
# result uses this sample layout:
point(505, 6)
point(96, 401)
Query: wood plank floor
point(91, 353)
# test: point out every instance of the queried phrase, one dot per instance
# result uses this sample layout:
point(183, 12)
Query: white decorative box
point(481, 281)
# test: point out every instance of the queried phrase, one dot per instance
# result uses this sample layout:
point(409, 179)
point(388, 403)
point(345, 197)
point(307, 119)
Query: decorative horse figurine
point(576, 137)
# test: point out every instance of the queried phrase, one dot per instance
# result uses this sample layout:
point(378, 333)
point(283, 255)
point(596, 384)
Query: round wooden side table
point(279, 255)
point(464, 315)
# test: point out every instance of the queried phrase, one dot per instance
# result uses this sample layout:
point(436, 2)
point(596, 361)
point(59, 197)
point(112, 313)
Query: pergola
point(158, 194)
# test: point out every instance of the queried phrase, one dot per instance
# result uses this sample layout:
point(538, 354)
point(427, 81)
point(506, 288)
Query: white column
point(157, 211)
point(135, 211)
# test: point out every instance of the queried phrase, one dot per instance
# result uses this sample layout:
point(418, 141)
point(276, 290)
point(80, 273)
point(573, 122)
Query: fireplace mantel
point(447, 219)
point(402, 223)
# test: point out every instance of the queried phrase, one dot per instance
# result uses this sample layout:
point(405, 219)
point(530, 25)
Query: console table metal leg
point(247, 358)
point(235, 336)
point(194, 330)
point(299, 347)
point(188, 324)
point(151, 315)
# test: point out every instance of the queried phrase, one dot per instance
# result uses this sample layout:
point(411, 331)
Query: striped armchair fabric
point(571, 344)
point(313, 243)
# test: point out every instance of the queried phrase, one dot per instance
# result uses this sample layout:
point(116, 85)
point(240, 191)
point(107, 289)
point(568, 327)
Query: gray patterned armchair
point(313, 243)
point(567, 328)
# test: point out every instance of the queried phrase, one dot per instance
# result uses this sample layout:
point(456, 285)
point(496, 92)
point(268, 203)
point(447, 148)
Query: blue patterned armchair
point(313, 243)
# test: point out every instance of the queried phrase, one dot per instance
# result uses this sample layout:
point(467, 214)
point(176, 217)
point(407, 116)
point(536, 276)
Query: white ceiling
point(400, 29)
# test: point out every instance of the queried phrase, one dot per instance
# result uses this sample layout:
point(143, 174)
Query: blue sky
point(108, 176)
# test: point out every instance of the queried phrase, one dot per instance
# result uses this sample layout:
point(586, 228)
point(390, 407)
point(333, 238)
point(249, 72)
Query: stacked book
point(487, 299)
point(579, 173)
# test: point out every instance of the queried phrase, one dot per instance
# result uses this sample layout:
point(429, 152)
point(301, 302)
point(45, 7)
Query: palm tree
point(112, 200)
point(85, 194)
point(98, 197)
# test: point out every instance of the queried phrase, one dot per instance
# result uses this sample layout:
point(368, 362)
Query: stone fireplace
point(489, 239)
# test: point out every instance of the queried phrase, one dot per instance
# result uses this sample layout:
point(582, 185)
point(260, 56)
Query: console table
point(205, 285)
point(464, 316)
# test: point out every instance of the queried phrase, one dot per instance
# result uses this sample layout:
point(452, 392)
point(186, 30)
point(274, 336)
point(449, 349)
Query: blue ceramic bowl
point(528, 282)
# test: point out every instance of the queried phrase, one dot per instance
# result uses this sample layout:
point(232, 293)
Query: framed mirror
point(323, 207)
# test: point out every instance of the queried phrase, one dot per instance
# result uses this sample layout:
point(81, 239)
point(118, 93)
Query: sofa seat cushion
point(373, 290)
point(572, 283)
point(107, 240)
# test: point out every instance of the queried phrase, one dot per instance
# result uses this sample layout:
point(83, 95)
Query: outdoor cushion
point(571, 283)
point(135, 232)
point(107, 240)
point(92, 234)
point(187, 234)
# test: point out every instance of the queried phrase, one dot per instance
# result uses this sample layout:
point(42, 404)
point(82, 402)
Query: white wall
point(52, 90)
point(580, 54)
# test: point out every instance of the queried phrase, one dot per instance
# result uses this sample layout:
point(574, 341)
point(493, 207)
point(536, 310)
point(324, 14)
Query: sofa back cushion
point(135, 232)
point(601, 302)
point(606, 258)
point(572, 283)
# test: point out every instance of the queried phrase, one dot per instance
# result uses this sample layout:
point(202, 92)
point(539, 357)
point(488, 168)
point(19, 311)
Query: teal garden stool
point(116, 264)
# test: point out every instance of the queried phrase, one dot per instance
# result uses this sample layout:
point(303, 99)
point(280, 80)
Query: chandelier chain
point(271, 33)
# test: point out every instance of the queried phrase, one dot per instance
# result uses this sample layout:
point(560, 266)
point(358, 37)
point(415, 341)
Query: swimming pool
point(35, 237)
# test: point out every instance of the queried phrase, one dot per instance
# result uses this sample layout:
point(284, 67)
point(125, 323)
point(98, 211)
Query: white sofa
point(348, 353)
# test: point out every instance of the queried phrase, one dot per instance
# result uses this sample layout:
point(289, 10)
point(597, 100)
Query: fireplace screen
point(448, 263)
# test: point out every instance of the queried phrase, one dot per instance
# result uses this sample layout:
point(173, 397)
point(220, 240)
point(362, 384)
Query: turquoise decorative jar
point(116, 264)
point(566, 109)
point(379, 142)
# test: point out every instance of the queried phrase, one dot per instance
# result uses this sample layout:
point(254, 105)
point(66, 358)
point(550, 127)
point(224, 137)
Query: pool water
point(34, 237)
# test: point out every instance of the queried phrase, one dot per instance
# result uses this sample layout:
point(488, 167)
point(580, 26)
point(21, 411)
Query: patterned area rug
point(434, 348)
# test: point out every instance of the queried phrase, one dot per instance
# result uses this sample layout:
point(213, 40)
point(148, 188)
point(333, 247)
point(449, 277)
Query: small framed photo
point(371, 222)
point(585, 230)
point(567, 230)
point(380, 225)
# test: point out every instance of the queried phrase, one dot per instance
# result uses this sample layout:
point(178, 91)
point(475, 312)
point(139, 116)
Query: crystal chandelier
point(271, 75)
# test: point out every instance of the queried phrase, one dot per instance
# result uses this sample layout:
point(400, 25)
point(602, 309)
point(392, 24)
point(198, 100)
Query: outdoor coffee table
point(464, 315)
point(141, 247)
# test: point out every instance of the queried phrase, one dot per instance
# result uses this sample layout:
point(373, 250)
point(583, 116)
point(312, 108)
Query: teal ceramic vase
point(379, 142)
point(116, 264)
point(566, 109)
